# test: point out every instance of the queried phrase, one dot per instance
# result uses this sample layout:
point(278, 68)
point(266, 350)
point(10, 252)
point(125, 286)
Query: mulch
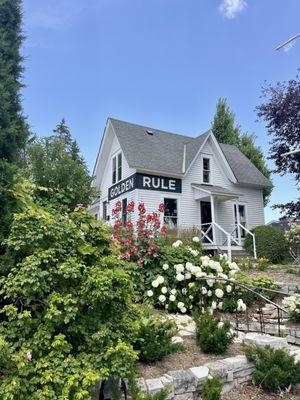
point(192, 356)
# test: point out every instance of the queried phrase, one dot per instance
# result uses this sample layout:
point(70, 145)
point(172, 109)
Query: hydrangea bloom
point(172, 297)
point(219, 293)
point(162, 298)
point(149, 293)
point(164, 290)
point(196, 239)
point(165, 267)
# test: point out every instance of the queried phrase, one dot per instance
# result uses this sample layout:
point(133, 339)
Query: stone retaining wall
point(187, 384)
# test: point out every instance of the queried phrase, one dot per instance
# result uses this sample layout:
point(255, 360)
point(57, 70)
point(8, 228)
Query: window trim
point(116, 157)
point(245, 205)
point(176, 197)
point(210, 158)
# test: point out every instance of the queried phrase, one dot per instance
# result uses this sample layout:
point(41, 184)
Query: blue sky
point(162, 63)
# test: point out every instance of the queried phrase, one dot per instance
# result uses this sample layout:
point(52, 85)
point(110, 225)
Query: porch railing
point(208, 235)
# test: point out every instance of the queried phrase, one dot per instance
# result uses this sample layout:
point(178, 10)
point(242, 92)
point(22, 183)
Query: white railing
point(208, 236)
point(253, 238)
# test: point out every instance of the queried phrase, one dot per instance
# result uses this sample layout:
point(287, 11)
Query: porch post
point(213, 220)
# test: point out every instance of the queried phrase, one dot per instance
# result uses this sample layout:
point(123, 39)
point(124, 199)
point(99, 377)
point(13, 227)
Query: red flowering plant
point(140, 243)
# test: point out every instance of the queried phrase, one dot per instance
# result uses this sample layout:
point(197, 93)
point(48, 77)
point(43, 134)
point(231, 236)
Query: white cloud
point(231, 8)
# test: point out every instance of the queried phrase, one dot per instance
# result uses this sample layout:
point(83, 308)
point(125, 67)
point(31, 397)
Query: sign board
point(145, 182)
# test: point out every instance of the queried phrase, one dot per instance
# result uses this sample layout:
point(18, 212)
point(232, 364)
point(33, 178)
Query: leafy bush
point(212, 389)
point(154, 340)
point(212, 334)
point(256, 281)
point(270, 243)
point(292, 304)
point(274, 369)
point(67, 320)
point(181, 285)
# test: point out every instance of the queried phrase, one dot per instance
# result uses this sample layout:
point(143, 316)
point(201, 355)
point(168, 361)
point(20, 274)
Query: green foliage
point(223, 125)
point(226, 131)
point(274, 369)
point(270, 243)
point(213, 335)
point(212, 389)
point(154, 340)
point(161, 395)
point(67, 320)
point(256, 281)
point(13, 127)
point(54, 162)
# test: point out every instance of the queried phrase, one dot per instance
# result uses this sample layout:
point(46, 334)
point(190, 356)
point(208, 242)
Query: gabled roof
point(244, 170)
point(146, 148)
point(152, 149)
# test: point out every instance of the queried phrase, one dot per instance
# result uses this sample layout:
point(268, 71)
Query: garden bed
point(192, 356)
point(250, 392)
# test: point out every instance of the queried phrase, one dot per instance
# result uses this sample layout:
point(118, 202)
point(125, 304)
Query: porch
point(223, 219)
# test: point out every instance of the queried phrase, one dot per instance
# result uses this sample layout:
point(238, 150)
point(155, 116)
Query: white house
point(203, 183)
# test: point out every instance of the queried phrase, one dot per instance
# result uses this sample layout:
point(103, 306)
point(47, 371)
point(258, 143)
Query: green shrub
point(257, 280)
point(270, 243)
point(155, 339)
point(212, 389)
point(67, 320)
point(213, 335)
point(274, 369)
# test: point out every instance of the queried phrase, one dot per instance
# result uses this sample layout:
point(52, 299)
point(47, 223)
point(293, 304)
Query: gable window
point(171, 212)
point(206, 170)
point(117, 168)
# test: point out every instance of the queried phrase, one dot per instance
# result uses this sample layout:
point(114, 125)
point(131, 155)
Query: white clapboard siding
point(188, 207)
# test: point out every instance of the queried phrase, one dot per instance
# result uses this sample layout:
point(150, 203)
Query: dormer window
point(117, 168)
point(206, 170)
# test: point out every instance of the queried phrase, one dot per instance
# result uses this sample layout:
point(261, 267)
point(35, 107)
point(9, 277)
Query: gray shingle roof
point(244, 170)
point(163, 152)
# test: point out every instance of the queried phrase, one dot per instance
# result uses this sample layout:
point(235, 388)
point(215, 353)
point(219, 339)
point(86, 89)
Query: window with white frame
point(171, 212)
point(206, 169)
point(240, 216)
point(117, 168)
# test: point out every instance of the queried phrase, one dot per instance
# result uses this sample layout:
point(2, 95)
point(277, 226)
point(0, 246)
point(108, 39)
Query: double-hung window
point(117, 168)
point(206, 170)
point(171, 212)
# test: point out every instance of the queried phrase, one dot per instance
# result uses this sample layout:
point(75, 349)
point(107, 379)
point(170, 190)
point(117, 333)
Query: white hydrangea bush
point(292, 305)
point(179, 287)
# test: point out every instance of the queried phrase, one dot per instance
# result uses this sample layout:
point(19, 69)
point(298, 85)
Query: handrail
point(228, 239)
point(253, 238)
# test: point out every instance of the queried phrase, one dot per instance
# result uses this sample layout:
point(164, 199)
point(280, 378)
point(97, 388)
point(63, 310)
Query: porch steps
point(235, 253)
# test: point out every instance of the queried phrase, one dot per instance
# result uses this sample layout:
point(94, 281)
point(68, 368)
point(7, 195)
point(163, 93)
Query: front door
point(206, 220)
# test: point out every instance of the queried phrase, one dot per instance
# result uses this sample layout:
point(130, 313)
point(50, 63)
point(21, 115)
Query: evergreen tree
point(55, 163)
point(223, 124)
point(225, 130)
point(13, 127)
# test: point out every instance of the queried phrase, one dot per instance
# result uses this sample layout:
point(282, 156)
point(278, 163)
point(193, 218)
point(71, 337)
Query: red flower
point(129, 224)
point(164, 230)
point(140, 261)
point(149, 218)
point(161, 207)
point(142, 208)
point(157, 223)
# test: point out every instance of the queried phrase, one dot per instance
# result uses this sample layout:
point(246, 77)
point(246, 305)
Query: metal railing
point(243, 321)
